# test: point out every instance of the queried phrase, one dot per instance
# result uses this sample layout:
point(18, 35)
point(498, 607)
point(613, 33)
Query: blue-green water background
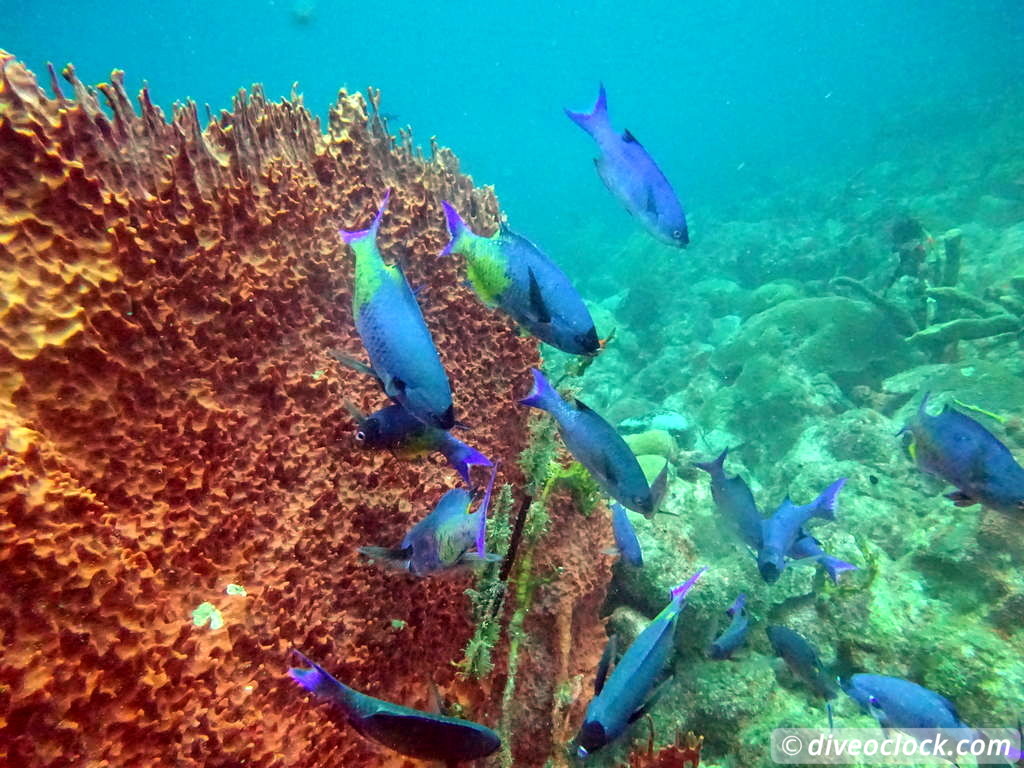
point(787, 89)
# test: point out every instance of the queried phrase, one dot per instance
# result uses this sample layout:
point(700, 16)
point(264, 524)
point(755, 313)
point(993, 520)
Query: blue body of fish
point(621, 699)
point(407, 731)
point(625, 537)
point(392, 329)
point(511, 272)
point(597, 446)
point(631, 174)
point(782, 530)
point(962, 452)
point(735, 634)
point(898, 703)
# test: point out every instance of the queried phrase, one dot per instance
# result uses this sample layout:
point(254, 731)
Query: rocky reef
point(172, 424)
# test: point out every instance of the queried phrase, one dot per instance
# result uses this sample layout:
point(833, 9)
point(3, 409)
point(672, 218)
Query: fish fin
point(651, 700)
point(628, 137)
point(602, 171)
point(598, 116)
point(611, 551)
point(716, 467)
point(682, 589)
point(396, 557)
point(607, 659)
point(481, 534)
point(652, 205)
point(825, 504)
point(462, 456)
point(542, 395)
point(461, 425)
point(458, 230)
point(961, 499)
point(352, 363)
point(834, 566)
point(811, 560)
point(831, 721)
point(659, 489)
point(608, 469)
point(316, 680)
point(540, 310)
point(504, 229)
point(435, 703)
point(739, 606)
point(357, 415)
point(353, 236)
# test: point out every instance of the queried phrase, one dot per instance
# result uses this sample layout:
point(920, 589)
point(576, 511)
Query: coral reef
point(171, 425)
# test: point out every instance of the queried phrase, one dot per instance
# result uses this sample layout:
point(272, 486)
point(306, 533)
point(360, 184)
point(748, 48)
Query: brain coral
point(171, 423)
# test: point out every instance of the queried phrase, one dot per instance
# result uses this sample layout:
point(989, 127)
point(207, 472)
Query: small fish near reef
point(735, 634)
point(962, 452)
point(410, 732)
point(623, 698)
point(802, 659)
point(597, 446)
point(781, 531)
point(631, 174)
point(736, 504)
point(627, 545)
point(391, 326)
point(394, 429)
point(508, 271)
point(449, 537)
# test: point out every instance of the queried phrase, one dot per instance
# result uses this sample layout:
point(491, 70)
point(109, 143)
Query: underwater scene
point(518, 384)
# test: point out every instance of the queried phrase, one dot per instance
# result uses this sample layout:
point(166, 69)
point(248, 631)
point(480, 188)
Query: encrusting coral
point(172, 425)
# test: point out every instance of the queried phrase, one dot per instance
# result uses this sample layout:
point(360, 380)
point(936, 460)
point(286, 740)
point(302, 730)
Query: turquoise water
point(786, 88)
point(853, 176)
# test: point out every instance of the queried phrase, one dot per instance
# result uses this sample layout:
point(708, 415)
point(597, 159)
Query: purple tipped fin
point(738, 606)
point(825, 504)
point(456, 226)
point(834, 566)
point(481, 534)
point(542, 395)
point(680, 591)
point(593, 120)
point(351, 237)
point(316, 680)
point(714, 468)
point(462, 456)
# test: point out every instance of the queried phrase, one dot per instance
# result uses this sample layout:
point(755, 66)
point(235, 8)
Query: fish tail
point(595, 119)
point(356, 235)
point(316, 679)
point(834, 566)
point(543, 395)
point(462, 456)
point(713, 468)
point(458, 230)
point(481, 534)
point(680, 591)
point(825, 504)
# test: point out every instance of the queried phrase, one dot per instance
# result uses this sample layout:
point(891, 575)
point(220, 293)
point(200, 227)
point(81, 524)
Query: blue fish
point(408, 731)
point(624, 697)
point(734, 501)
point(735, 634)
point(394, 429)
point(627, 545)
point(633, 177)
point(736, 504)
point(962, 452)
point(898, 703)
point(508, 271)
point(782, 530)
point(444, 539)
point(803, 660)
point(391, 326)
point(597, 446)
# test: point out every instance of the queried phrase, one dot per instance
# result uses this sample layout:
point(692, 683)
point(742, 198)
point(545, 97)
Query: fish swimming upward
point(802, 659)
point(450, 740)
point(735, 634)
point(962, 452)
point(631, 174)
point(394, 429)
point(597, 446)
point(785, 527)
point(391, 326)
point(623, 698)
point(508, 271)
point(449, 537)
point(627, 545)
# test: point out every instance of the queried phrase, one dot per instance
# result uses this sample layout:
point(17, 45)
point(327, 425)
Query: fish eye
point(360, 436)
point(872, 701)
point(677, 234)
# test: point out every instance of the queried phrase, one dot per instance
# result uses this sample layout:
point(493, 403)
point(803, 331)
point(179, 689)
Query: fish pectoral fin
point(652, 205)
point(356, 365)
point(608, 469)
point(396, 556)
point(628, 137)
point(602, 171)
point(605, 664)
point(537, 306)
point(961, 499)
point(651, 700)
